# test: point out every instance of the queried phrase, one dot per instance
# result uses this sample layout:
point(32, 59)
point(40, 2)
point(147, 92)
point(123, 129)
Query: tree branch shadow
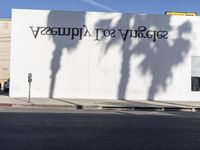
point(67, 20)
point(159, 56)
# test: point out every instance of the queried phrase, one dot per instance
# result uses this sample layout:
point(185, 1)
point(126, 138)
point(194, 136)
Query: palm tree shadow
point(160, 57)
point(68, 20)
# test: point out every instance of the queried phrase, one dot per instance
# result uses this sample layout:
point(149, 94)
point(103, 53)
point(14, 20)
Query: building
point(5, 39)
point(96, 55)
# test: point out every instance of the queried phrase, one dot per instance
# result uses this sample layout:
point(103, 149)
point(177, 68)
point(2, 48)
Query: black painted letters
point(141, 32)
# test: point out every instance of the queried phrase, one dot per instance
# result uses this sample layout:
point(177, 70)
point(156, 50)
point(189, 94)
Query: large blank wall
point(107, 67)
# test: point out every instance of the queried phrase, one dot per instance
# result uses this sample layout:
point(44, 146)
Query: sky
point(127, 6)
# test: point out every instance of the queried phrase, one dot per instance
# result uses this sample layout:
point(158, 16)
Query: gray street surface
point(55, 129)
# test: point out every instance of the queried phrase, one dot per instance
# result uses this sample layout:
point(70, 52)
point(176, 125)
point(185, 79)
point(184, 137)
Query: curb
point(94, 107)
point(6, 105)
point(150, 108)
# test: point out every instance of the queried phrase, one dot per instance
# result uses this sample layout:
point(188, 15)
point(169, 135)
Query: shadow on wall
point(64, 40)
point(160, 55)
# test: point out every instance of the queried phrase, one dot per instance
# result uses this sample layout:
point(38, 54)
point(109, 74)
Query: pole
point(29, 93)
point(29, 90)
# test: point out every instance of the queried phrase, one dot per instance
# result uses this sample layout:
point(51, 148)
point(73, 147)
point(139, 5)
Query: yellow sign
point(171, 13)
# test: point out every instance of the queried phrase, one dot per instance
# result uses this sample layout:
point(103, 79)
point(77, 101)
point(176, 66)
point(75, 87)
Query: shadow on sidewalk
point(78, 106)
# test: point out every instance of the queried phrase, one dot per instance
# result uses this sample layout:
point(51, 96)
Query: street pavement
point(64, 129)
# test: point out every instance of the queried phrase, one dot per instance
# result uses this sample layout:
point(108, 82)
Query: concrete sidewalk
point(101, 104)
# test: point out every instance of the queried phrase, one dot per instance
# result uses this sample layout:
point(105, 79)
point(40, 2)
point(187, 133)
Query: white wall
point(107, 68)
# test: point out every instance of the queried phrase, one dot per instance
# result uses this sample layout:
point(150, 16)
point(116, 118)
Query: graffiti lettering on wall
point(78, 33)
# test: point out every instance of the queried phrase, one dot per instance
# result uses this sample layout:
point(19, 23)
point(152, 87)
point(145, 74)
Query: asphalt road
point(60, 129)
